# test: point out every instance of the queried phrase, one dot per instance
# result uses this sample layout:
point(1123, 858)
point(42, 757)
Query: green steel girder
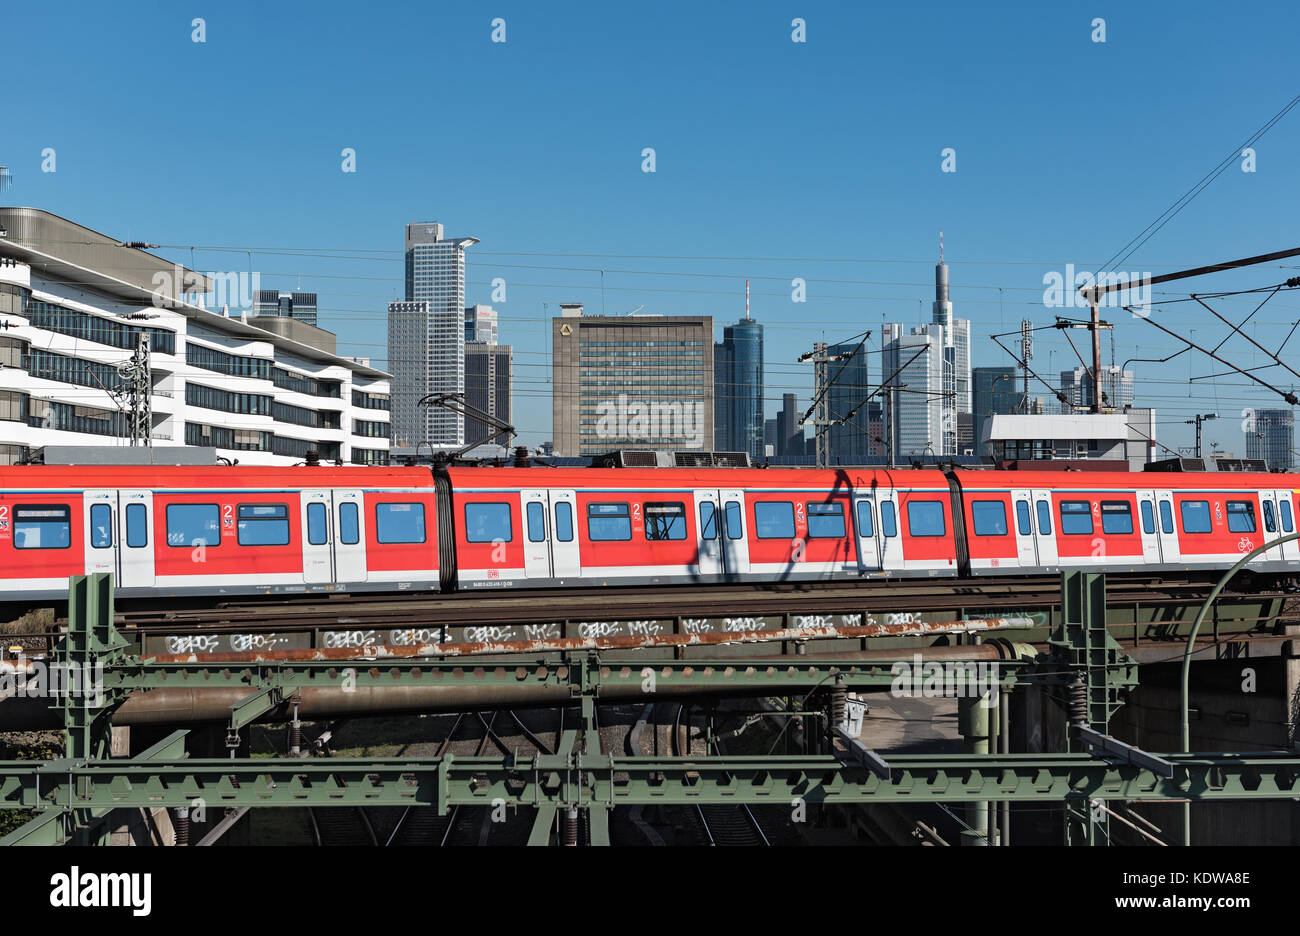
point(615, 781)
point(91, 646)
point(249, 709)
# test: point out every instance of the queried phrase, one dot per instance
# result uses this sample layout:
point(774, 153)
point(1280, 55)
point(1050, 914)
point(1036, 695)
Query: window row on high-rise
point(56, 318)
point(232, 365)
point(301, 383)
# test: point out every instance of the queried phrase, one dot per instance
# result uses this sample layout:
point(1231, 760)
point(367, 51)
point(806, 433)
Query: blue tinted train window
point(1076, 518)
point(268, 524)
point(399, 523)
point(47, 526)
point(1286, 517)
point(101, 526)
point(665, 521)
point(826, 521)
point(193, 525)
point(1166, 517)
point(564, 522)
point(1270, 517)
point(137, 526)
point(888, 519)
point(536, 522)
point(925, 518)
point(1196, 516)
point(864, 518)
point(1023, 526)
point(990, 517)
point(486, 523)
point(317, 526)
point(1044, 518)
point(708, 520)
point(349, 524)
point(608, 522)
point(1241, 517)
point(1148, 518)
point(735, 529)
point(774, 520)
point(1116, 517)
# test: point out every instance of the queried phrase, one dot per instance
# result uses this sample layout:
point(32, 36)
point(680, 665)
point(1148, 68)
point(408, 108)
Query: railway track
point(582, 605)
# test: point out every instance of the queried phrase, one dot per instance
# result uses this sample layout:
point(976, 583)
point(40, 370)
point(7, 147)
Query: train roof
point(91, 476)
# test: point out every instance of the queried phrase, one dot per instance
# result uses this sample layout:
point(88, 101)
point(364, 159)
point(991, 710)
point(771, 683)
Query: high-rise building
point(488, 374)
point(295, 305)
point(632, 382)
point(481, 324)
point(1116, 387)
point(918, 424)
point(1271, 436)
point(426, 337)
point(738, 389)
point(956, 355)
point(789, 433)
point(995, 391)
point(848, 436)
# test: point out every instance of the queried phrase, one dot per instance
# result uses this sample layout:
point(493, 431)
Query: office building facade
point(849, 436)
point(1271, 436)
point(738, 389)
point(917, 421)
point(995, 390)
point(642, 382)
point(1116, 387)
point(300, 306)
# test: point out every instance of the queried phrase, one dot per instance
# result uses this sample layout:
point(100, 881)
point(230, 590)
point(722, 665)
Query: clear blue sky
point(789, 154)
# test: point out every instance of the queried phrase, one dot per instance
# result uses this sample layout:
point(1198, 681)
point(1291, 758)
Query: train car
point(170, 531)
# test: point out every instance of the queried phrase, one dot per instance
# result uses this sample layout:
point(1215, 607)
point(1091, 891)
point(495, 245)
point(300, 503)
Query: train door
point(891, 543)
point(118, 528)
point(537, 534)
point(865, 521)
point(1286, 524)
point(349, 536)
point(1044, 530)
point(565, 559)
point(1149, 522)
point(1022, 506)
point(1168, 532)
point(735, 533)
point(708, 533)
point(317, 557)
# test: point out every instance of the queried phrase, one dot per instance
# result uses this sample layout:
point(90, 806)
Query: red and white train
point(170, 531)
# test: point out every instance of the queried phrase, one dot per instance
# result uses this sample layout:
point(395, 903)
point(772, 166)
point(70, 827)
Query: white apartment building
point(73, 303)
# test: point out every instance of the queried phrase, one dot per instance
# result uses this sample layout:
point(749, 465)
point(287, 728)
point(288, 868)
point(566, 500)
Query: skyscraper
point(738, 389)
point(995, 391)
point(956, 353)
point(915, 415)
point(426, 337)
point(1077, 387)
point(1272, 437)
point(849, 437)
point(481, 324)
point(295, 305)
point(488, 376)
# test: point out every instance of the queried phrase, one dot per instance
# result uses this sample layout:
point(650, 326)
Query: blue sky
point(790, 155)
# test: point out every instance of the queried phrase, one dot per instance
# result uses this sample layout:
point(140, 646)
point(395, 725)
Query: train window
point(826, 521)
point(485, 523)
point(349, 524)
point(864, 518)
point(1286, 517)
point(400, 523)
point(564, 522)
point(774, 520)
point(536, 522)
point(1023, 526)
point(1148, 518)
point(1270, 517)
point(735, 529)
point(665, 521)
point(1241, 517)
point(990, 517)
point(44, 526)
point(925, 518)
point(1196, 516)
point(1044, 518)
point(1166, 517)
point(708, 520)
point(317, 526)
point(101, 526)
point(268, 524)
point(1076, 518)
point(1116, 517)
point(888, 520)
point(608, 522)
point(193, 525)
point(137, 526)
